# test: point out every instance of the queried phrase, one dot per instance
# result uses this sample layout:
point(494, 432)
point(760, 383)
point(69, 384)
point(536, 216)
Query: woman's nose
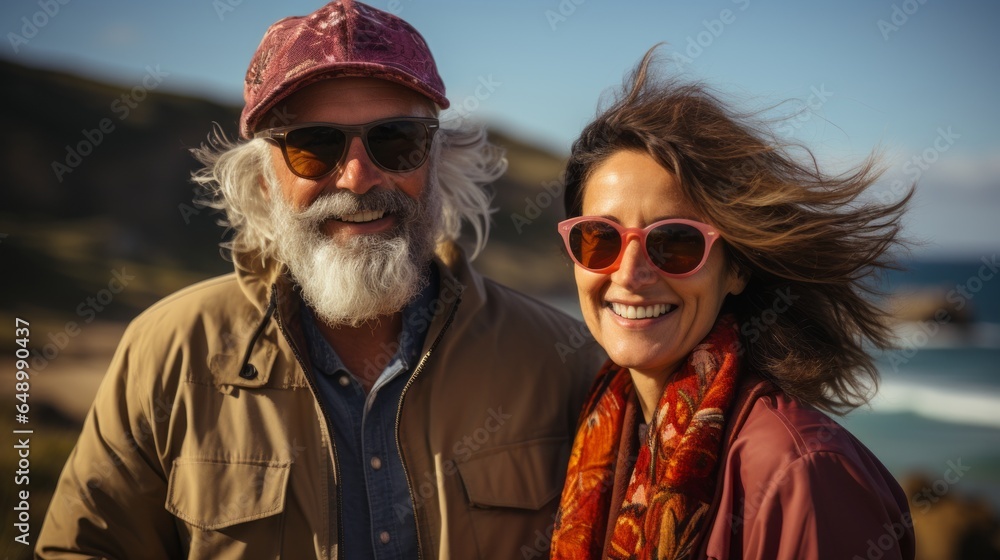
point(635, 270)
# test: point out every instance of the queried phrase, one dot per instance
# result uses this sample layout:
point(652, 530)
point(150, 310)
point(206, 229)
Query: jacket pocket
point(512, 492)
point(229, 509)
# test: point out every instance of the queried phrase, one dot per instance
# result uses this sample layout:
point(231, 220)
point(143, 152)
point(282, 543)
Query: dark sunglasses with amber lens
point(315, 149)
point(678, 248)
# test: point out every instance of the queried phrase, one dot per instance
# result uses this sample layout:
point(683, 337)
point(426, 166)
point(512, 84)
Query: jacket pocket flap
point(225, 369)
point(211, 495)
point(525, 475)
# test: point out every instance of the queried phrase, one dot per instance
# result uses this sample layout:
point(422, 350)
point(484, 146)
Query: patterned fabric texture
point(673, 481)
point(341, 39)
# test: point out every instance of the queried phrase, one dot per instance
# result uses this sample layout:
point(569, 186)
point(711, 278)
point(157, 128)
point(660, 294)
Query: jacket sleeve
point(109, 501)
point(824, 505)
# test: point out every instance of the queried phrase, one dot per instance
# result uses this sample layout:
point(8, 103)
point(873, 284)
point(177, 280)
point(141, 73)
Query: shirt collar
point(416, 319)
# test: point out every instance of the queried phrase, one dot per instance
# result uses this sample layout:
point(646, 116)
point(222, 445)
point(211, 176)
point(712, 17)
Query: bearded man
point(354, 389)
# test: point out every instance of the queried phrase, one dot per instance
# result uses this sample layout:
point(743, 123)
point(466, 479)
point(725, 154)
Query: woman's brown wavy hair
point(797, 233)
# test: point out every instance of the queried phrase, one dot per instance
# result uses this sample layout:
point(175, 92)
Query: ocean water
point(938, 404)
point(976, 276)
point(940, 408)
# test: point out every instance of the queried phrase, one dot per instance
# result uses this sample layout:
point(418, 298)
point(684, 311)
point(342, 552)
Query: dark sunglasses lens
point(315, 150)
point(595, 245)
point(676, 248)
point(399, 145)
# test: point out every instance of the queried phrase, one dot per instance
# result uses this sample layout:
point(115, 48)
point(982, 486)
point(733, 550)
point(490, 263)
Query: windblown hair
point(795, 232)
point(462, 161)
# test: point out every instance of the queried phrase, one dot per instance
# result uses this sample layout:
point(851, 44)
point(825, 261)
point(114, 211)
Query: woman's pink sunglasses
point(678, 248)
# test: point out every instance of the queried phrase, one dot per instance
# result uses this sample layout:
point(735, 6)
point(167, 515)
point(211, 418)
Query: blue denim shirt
point(377, 513)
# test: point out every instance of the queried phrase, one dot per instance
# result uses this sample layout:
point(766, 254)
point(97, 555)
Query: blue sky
point(922, 84)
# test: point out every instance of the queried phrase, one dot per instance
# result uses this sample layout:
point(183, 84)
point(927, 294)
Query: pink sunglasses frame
point(628, 234)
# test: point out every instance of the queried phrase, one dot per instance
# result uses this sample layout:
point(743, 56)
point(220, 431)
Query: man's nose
point(358, 173)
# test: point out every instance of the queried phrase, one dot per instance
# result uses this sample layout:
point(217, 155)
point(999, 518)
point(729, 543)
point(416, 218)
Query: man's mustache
point(343, 203)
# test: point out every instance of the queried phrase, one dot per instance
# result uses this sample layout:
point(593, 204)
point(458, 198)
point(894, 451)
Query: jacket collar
point(750, 389)
point(250, 361)
point(256, 275)
point(458, 282)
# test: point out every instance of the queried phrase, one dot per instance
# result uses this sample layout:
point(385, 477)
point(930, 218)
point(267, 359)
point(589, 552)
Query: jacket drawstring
point(248, 370)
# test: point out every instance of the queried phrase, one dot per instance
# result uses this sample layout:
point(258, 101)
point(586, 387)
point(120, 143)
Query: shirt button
point(376, 463)
point(344, 381)
point(384, 537)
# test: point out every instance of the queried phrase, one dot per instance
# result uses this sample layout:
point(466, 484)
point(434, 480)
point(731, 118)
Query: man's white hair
point(462, 161)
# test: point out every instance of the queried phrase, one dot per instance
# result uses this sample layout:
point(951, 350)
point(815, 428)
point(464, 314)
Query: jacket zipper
point(399, 414)
point(326, 418)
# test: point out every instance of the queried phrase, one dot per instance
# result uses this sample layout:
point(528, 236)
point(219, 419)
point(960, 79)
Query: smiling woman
point(631, 188)
point(724, 278)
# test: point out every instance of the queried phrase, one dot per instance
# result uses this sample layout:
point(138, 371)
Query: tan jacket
point(206, 439)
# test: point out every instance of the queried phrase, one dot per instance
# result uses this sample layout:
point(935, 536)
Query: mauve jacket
point(793, 485)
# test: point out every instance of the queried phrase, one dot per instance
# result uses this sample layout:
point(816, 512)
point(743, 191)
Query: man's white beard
point(348, 282)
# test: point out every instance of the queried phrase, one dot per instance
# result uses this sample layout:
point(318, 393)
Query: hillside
point(97, 180)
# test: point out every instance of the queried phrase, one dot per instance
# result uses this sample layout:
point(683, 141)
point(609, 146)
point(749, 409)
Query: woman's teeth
point(640, 312)
point(366, 216)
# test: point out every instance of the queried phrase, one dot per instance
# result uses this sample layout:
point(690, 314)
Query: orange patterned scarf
point(673, 482)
